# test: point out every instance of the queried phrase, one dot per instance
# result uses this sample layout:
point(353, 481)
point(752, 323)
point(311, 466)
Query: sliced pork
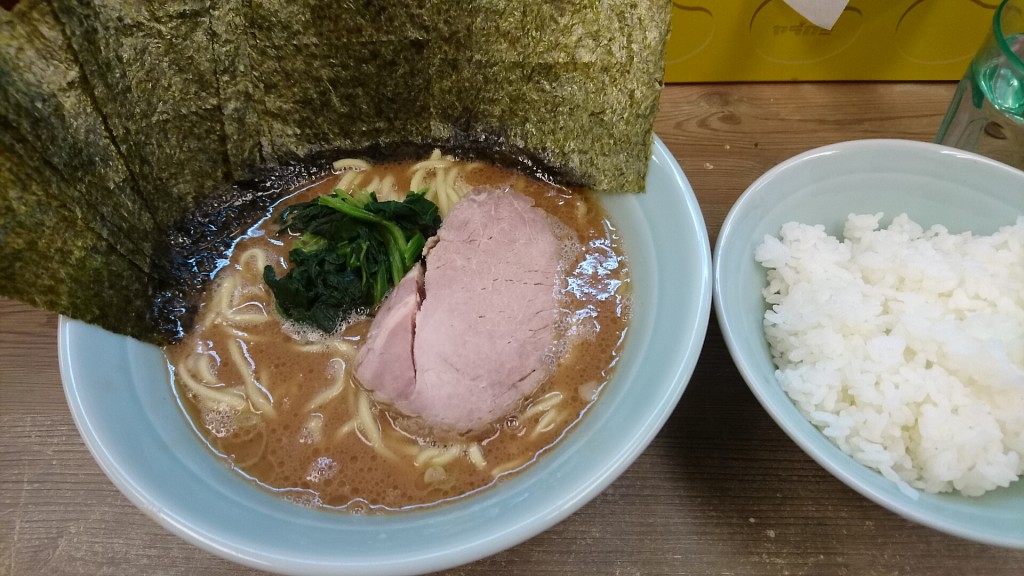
point(486, 321)
point(387, 360)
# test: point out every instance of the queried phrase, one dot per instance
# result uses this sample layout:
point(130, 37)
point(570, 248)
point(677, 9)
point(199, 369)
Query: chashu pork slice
point(476, 343)
point(386, 360)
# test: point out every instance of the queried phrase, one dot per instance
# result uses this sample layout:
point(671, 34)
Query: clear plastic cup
point(987, 112)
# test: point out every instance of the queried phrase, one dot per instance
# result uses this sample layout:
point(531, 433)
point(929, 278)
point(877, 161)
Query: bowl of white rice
point(871, 294)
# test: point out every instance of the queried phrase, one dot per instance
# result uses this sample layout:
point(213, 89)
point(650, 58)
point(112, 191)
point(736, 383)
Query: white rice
point(904, 346)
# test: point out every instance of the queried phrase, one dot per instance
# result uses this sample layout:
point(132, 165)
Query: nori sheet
point(574, 81)
point(363, 77)
point(240, 102)
point(45, 176)
point(86, 277)
point(46, 101)
point(155, 81)
point(149, 111)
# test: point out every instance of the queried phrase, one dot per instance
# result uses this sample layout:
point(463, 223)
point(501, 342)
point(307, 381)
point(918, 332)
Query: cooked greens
point(352, 251)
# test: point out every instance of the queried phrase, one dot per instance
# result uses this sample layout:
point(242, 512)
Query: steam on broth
point(280, 403)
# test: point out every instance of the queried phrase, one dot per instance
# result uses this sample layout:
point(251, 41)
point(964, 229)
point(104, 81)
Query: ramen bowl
point(934, 185)
point(122, 401)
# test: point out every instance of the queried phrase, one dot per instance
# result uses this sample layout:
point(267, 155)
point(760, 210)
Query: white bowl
point(120, 396)
point(933, 185)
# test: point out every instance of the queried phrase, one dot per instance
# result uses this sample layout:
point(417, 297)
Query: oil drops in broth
point(280, 404)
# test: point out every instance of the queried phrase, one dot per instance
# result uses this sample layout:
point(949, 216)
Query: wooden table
point(720, 491)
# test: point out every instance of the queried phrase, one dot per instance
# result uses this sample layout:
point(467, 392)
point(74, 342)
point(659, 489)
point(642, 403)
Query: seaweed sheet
point(48, 179)
point(148, 111)
point(86, 278)
point(574, 81)
point(155, 82)
point(46, 104)
point(578, 81)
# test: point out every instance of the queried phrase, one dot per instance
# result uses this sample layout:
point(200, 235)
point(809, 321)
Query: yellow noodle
point(230, 397)
point(231, 315)
point(346, 428)
point(340, 379)
point(455, 194)
point(426, 455)
point(434, 474)
point(257, 457)
point(588, 390)
point(372, 186)
point(201, 362)
point(383, 451)
point(543, 404)
point(347, 349)
point(461, 188)
point(221, 300)
point(410, 448)
point(247, 418)
point(315, 427)
point(447, 456)
point(453, 197)
point(422, 174)
point(417, 182)
point(476, 456)
point(244, 432)
point(432, 164)
point(266, 401)
point(311, 348)
point(348, 181)
point(346, 164)
point(388, 188)
point(549, 419)
point(253, 294)
point(368, 427)
point(459, 185)
point(257, 308)
point(367, 423)
point(257, 395)
point(440, 178)
point(225, 292)
point(449, 184)
point(244, 319)
point(442, 197)
point(257, 256)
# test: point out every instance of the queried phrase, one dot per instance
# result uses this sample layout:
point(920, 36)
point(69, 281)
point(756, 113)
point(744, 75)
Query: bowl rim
point(831, 457)
point(581, 492)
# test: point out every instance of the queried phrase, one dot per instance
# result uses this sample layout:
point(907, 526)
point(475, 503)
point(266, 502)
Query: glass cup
point(987, 112)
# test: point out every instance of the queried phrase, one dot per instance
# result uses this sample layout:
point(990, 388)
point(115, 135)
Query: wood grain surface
point(721, 490)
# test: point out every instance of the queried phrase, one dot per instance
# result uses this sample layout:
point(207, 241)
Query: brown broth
point(285, 453)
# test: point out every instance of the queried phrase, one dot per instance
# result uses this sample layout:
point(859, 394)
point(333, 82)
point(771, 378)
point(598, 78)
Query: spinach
point(352, 250)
